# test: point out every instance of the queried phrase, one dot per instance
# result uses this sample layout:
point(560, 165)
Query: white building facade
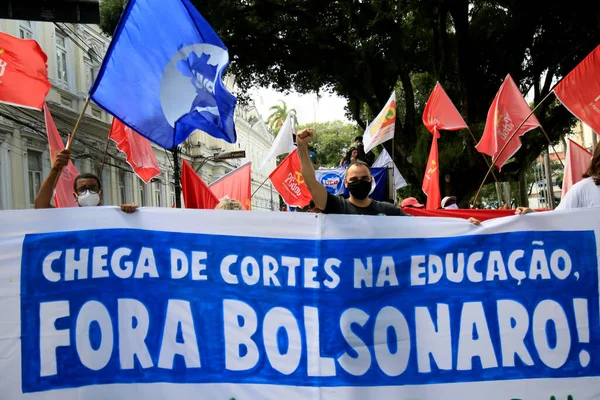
point(74, 53)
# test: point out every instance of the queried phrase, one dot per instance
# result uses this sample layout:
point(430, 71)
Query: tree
point(362, 50)
point(332, 140)
point(278, 115)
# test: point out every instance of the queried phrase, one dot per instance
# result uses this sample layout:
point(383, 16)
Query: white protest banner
point(195, 304)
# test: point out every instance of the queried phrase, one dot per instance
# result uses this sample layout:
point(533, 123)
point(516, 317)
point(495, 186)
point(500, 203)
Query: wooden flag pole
point(85, 105)
point(484, 157)
point(508, 141)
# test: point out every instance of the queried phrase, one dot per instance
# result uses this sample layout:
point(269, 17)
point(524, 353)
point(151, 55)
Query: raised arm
point(44, 196)
point(318, 191)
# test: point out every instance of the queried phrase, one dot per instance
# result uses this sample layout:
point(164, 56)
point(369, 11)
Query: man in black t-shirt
point(358, 181)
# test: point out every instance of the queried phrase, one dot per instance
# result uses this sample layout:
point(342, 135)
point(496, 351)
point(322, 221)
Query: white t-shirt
point(583, 194)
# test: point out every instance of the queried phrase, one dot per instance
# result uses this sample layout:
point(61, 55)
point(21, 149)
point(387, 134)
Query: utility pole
point(177, 176)
point(549, 185)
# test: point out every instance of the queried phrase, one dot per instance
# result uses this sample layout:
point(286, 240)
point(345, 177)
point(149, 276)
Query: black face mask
point(359, 189)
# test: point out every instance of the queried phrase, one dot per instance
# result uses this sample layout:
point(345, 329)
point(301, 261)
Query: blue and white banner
point(194, 304)
point(332, 179)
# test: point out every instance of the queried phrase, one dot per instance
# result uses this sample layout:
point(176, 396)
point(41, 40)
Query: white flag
point(283, 143)
point(385, 161)
point(382, 128)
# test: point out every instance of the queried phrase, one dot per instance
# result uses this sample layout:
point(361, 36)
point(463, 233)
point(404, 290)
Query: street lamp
point(228, 155)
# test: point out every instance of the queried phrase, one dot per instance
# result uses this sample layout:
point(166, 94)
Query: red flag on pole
point(289, 182)
point(441, 113)
point(195, 192)
point(23, 72)
point(579, 91)
point(576, 164)
point(235, 185)
point(137, 149)
point(63, 193)
point(431, 180)
point(508, 110)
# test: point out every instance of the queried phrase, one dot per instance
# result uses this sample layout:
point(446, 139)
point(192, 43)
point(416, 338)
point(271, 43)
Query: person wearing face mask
point(358, 181)
point(87, 188)
point(449, 203)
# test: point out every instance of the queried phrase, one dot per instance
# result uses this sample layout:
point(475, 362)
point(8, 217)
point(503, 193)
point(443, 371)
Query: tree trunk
point(523, 195)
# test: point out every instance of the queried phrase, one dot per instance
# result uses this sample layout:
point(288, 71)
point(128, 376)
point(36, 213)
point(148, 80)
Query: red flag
point(580, 90)
point(63, 193)
point(441, 113)
point(195, 192)
point(137, 149)
point(576, 164)
point(289, 182)
point(235, 185)
point(431, 180)
point(23, 72)
point(509, 109)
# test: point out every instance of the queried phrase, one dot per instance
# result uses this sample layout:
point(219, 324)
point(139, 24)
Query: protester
point(358, 181)
point(87, 188)
point(350, 158)
point(229, 204)
point(411, 202)
point(366, 157)
point(585, 193)
point(449, 203)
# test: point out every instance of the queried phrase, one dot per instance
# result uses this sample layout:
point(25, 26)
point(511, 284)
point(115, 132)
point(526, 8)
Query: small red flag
point(235, 185)
point(441, 113)
point(63, 193)
point(576, 164)
point(137, 149)
point(23, 72)
point(289, 182)
point(195, 192)
point(509, 109)
point(580, 90)
point(431, 180)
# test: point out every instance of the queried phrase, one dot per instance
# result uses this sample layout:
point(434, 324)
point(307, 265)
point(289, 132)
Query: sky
point(328, 107)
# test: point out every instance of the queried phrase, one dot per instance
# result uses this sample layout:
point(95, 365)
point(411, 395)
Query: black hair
point(359, 162)
point(359, 138)
point(86, 175)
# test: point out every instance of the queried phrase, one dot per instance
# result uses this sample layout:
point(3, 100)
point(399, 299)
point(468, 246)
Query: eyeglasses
point(93, 189)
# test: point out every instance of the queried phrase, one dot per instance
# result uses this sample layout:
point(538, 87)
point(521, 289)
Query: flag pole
point(483, 155)
point(70, 142)
point(105, 153)
point(551, 145)
point(177, 176)
point(85, 105)
point(509, 140)
point(261, 185)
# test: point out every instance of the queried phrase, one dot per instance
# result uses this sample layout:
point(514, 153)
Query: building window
point(142, 194)
point(173, 200)
point(90, 72)
point(34, 171)
point(96, 113)
point(61, 58)
point(122, 197)
point(157, 195)
point(25, 30)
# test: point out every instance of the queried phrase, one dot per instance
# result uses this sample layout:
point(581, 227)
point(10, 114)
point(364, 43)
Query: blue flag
point(162, 75)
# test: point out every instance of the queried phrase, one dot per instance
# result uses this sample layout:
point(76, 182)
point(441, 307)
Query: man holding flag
point(87, 188)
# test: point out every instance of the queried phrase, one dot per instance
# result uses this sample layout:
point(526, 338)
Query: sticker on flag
point(183, 304)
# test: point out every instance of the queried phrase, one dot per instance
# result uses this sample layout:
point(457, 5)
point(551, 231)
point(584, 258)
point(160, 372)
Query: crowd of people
point(87, 188)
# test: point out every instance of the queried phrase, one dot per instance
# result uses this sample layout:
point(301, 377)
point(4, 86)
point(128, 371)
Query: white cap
point(446, 199)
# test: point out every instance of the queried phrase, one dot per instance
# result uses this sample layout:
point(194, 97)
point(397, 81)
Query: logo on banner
point(3, 65)
point(383, 125)
point(332, 182)
point(504, 124)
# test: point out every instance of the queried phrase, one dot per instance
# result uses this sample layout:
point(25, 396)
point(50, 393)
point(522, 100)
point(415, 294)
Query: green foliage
point(362, 50)
point(332, 140)
point(278, 115)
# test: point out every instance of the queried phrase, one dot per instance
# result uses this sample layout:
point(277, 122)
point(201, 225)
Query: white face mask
point(88, 199)
point(452, 207)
